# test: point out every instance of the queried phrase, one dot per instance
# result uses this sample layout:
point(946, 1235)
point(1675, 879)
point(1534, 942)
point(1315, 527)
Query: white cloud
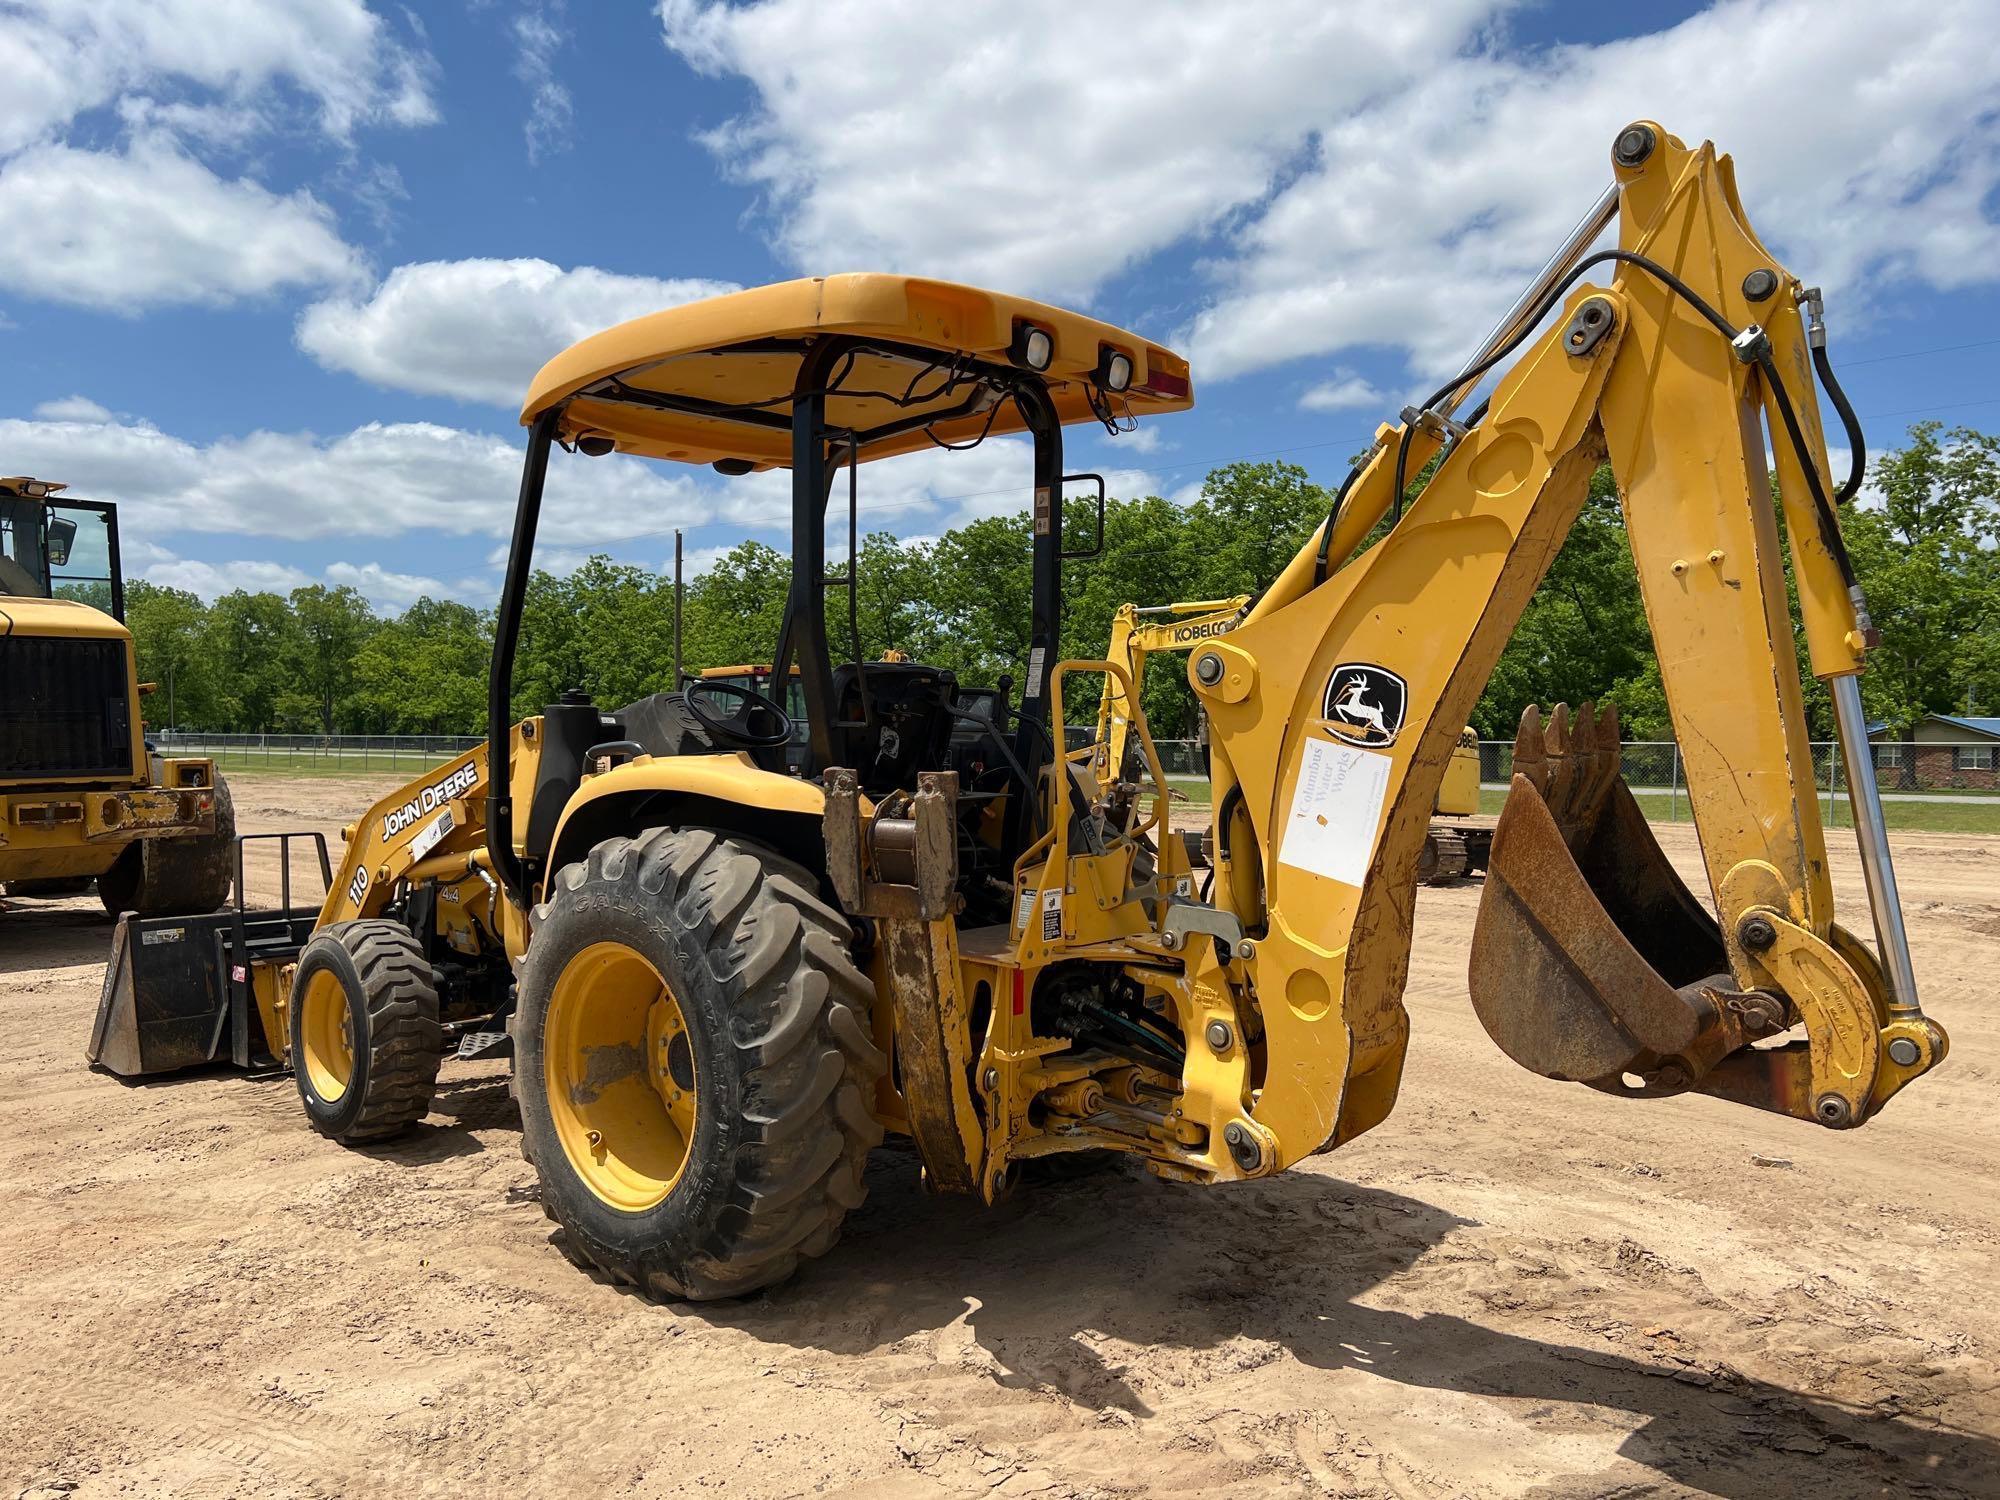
point(1346, 391)
point(62, 58)
point(211, 580)
point(150, 226)
point(397, 591)
point(478, 329)
point(72, 409)
point(385, 481)
point(1351, 175)
point(1142, 439)
point(388, 591)
point(536, 38)
point(1056, 144)
point(379, 480)
point(1425, 211)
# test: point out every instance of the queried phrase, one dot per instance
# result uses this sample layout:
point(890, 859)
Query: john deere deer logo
point(1365, 704)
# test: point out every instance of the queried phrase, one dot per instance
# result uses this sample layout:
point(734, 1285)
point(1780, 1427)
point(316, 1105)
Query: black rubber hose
point(1555, 294)
point(1333, 515)
point(1829, 518)
point(1857, 445)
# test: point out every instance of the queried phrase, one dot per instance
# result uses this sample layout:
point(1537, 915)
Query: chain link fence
point(1652, 767)
point(327, 754)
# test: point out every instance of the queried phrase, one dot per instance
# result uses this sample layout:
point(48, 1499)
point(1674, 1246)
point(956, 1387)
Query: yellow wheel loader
point(1458, 840)
point(725, 979)
point(83, 797)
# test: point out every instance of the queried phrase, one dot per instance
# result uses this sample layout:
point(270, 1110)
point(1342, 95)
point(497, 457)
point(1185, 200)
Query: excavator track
point(1446, 856)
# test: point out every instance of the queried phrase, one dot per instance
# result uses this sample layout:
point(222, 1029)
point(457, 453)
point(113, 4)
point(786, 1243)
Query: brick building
point(1943, 751)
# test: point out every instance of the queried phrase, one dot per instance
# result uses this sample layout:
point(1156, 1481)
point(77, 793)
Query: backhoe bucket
point(1591, 961)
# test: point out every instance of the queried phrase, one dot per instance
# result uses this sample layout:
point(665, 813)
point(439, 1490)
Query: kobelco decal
point(429, 800)
point(1186, 634)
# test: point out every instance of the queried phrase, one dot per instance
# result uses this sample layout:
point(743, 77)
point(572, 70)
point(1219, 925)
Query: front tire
point(366, 1043)
point(693, 1063)
point(175, 877)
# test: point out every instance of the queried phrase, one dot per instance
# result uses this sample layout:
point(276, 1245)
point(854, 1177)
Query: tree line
point(321, 660)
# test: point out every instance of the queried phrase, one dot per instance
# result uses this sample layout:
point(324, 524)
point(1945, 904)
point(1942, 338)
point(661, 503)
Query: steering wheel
point(736, 726)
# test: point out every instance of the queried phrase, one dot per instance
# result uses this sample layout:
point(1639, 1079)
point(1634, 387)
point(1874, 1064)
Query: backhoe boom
point(1335, 705)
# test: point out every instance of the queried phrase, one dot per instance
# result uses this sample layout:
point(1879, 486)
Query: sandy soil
point(1514, 1287)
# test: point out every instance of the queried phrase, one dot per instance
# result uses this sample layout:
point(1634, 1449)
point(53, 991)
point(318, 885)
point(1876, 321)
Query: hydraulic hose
point(1829, 520)
point(1857, 445)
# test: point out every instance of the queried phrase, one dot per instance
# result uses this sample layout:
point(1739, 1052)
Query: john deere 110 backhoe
point(724, 979)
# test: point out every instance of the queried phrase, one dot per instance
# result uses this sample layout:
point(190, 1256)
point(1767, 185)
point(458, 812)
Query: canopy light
point(732, 466)
point(595, 444)
point(1114, 369)
point(1033, 347)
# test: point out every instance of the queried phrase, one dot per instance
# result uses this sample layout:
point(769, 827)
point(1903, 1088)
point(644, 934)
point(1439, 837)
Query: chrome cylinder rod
point(1580, 239)
point(1872, 834)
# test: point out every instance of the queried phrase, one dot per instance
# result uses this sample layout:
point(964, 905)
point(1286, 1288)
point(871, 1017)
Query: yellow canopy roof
point(743, 351)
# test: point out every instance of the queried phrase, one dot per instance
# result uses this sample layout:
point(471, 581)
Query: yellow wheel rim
point(325, 1038)
point(619, 1068)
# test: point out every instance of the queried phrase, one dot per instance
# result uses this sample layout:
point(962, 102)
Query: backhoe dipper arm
point(1336, 704)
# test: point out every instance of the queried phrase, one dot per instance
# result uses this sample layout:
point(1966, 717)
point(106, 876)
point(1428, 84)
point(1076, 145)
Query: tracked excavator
point(1458, 840)
point(723, 978)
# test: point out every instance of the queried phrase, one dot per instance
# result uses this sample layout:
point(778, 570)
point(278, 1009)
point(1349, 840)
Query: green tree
point(734, 609)
point(1925, 560)
point(425, 671)
point(167, 626)
point(332, 625)
point(248, 650)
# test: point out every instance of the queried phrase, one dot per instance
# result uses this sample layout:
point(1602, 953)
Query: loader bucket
point(173, 995)
point(1591, 960)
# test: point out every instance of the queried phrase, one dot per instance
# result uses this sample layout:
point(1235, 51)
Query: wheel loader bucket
point(1591, 961)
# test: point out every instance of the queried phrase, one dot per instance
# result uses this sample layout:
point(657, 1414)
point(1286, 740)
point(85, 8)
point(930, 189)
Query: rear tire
point(366, 1043)
point(175, 877)
point(711, 1172)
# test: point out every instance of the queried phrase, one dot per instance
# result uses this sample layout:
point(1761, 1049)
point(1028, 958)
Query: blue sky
point(273, 272)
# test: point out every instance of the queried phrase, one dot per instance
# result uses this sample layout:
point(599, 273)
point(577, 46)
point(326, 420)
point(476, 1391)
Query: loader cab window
point(24, 568)
point(60, 551)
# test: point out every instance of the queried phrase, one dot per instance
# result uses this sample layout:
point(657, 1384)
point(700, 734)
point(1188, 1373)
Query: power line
point(1876, 359)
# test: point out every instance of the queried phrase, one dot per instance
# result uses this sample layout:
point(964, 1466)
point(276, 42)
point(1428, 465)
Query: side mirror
point(60, 537)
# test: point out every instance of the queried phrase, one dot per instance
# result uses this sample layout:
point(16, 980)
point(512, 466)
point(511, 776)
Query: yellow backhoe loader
point(723, 981)
point(1456, 844)
point(83, 797)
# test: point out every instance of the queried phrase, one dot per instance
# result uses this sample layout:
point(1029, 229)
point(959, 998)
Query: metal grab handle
point(1137, 720)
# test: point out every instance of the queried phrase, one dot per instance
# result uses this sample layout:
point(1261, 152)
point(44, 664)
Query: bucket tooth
point(1590, 958)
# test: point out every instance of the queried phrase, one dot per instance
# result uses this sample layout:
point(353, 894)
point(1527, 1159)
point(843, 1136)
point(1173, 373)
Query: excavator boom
point(1335, 705)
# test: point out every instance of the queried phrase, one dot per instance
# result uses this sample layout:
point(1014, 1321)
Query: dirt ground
point(1514, 1287)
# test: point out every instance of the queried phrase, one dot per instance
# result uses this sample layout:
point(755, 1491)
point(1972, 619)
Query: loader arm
point(1335, 706)
point(433, 826)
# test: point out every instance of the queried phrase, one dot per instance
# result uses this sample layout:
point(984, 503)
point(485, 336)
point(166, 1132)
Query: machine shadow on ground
point(1285, 1262)
point(53, 934)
